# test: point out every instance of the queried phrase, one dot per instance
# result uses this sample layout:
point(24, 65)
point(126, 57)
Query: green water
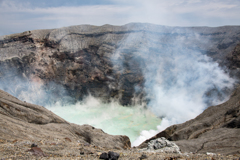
point(112, 118)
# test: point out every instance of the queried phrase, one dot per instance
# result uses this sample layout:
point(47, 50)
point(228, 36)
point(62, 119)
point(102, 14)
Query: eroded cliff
point(82, 59)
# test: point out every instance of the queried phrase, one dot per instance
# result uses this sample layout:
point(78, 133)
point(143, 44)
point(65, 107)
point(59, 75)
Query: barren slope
point(216, 130)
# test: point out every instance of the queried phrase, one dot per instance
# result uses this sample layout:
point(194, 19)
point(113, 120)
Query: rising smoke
point(180, 80)
point(33, 91)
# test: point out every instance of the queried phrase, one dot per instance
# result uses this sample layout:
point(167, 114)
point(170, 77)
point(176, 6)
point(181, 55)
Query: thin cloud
point(170, 12)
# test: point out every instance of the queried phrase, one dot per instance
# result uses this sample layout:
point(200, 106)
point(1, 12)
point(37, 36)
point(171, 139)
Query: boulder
point(113, 155)
point(109, 156)
point(36, 151)
point(162, 145)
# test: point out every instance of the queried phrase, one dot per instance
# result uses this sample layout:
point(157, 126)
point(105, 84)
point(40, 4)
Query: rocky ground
point(66, 149)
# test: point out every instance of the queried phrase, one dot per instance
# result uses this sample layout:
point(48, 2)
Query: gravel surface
point(65, 149)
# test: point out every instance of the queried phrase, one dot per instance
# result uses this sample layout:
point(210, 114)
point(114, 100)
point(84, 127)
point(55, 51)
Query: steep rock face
point(234, 58)
point(81, 58)
point(233, 62)
point(21, 120)
point(77, 58)
point(215, 130)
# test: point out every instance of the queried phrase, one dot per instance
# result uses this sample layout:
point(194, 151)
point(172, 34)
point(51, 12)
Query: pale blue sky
point(22, 15)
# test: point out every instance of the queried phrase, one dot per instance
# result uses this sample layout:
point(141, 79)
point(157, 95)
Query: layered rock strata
point(82, 59)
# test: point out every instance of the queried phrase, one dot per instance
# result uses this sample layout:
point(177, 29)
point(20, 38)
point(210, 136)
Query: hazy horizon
point(23, 15)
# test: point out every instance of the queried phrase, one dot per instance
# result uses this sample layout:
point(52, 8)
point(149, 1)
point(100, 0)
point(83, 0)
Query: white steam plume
point(33, 90)
point(180, 81)
point(111, 117)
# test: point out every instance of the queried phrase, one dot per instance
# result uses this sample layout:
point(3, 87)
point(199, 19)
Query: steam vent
point(137, 91)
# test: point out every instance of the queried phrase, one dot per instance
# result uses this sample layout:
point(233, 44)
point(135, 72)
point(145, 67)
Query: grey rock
point(36, 151)
point(81, 153)
point(143, 156)
point(103, 156)
point(33, 145)
point(109, 156)
point(113, 155)
point(162, 145)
